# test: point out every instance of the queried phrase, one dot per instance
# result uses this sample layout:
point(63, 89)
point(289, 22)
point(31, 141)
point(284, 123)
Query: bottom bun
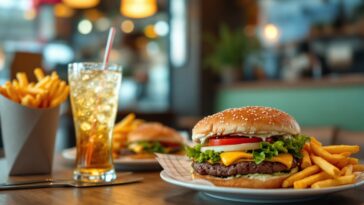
point(269, 182)
point(142, 156)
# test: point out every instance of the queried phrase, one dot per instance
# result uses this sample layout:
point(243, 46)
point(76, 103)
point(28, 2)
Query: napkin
point(179, 168)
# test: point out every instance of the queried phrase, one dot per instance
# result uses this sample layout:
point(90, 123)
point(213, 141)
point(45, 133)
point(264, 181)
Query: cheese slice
point(286, 159)
point(229, 158)
point(136, 147)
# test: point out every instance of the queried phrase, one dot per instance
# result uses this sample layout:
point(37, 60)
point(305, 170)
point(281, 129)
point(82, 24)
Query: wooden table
point(152, 190)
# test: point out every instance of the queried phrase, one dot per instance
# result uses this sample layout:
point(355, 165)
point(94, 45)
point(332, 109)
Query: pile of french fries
point(325, 166)
point(121, 131)
point(48, 91)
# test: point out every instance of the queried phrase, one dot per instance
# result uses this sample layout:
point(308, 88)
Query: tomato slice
point(170, 144)
point(231, 141)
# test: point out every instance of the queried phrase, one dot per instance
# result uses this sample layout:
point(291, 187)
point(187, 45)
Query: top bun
point(251, 120)
point(154, 132)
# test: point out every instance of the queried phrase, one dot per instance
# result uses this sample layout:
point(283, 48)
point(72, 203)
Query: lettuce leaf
point(152, 147)
point(200, 157)
point(292, 145)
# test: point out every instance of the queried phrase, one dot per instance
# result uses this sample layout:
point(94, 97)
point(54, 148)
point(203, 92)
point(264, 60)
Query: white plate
point(121, 163)
point(259, 195)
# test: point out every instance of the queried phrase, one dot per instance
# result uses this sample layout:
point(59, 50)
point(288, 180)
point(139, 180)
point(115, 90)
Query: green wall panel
point(338, 106)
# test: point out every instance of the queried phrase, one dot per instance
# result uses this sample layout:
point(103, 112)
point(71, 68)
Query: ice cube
point(104, 108)
point(85, 77)
point(85, 126)
point(89, 102)
point(101, 118)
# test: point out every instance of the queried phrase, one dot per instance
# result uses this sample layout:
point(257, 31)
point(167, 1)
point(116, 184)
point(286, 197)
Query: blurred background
point(184, 59)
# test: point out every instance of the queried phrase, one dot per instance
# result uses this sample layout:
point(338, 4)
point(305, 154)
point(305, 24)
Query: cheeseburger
point(150, 138)
point(248, 147)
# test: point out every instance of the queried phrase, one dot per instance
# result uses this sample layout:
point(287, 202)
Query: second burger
point(150, 138)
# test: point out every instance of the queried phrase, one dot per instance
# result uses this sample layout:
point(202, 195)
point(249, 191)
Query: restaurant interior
point(182, 60)
point(306, 59)
point(187, 59)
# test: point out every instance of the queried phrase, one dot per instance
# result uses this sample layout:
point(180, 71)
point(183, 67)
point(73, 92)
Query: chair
point(25, 62)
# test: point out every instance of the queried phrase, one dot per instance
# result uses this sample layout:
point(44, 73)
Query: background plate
point(128, 163)
point(121, 163)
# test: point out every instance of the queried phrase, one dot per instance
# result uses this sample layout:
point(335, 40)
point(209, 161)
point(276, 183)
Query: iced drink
point(94, 97)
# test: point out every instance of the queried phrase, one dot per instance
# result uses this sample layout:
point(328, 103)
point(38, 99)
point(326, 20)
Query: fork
point(50, 180)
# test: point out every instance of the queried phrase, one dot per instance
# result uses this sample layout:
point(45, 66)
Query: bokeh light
point(127, 26)
point(84, 26)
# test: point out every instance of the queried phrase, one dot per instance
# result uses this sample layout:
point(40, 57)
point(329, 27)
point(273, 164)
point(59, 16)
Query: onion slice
point(235, 147)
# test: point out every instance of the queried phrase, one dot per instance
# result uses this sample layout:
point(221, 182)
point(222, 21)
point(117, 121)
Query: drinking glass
point(94, 97)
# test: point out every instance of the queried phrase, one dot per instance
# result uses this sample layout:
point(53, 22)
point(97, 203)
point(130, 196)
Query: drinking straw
point(110, 40)
point(90, 147)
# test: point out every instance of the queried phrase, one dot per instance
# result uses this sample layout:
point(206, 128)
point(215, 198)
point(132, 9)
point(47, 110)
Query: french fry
point(128, 128)
point(53, 89)
point(125, 129)
point(15, 83)
point(350, 179)
point(306, 161)
point(345, 154)
point(23, 80)
point(343, 171)
point(60, 98)
point(3, 92)
point(39, 74)
point(307, 147)
point(315, 141)
point(319, 151)
point(38, 100)
point(48, 91)
point(11, 92)
point(45, 102)
point(326, 166)
point(342, 163)
point(348, 170)
point(21, 91)
point(358, 167)
point(308, 181)
point(338, 149)
point(36, 91)
point(300, 175)
point(42, 82)
point(54, 75)
point(353, 160)
point(32, 101)
point(125, 121)
point(60, 89)
point(27, 101)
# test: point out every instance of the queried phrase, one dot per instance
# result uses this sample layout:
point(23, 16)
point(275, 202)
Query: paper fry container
point(28, 137)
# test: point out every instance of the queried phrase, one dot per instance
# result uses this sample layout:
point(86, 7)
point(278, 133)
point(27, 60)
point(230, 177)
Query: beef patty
point(242, 168)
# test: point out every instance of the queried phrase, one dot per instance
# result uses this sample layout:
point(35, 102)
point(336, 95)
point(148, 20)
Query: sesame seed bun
point(251, 120)
point(154, 132)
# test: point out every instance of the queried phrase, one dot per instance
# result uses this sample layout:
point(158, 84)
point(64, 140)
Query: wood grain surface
point(152, 190)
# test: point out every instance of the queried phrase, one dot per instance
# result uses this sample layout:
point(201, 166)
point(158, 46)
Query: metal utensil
point(48, 180)
point(70, 183)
